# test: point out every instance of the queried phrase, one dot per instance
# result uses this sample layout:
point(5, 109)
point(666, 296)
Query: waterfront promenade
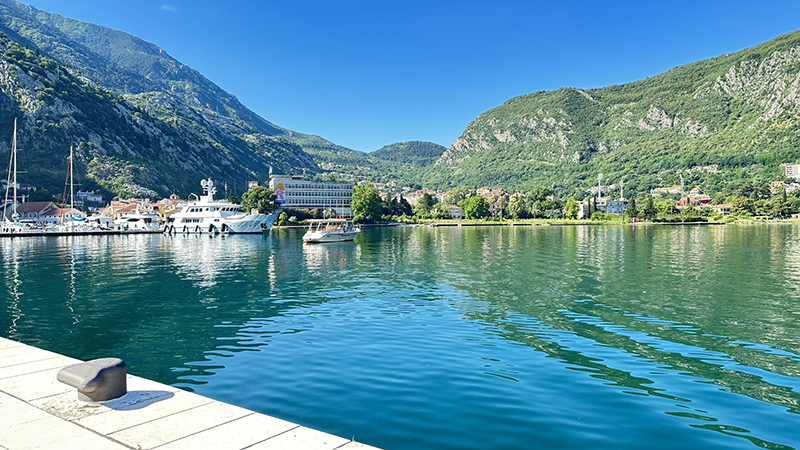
point(39, 412)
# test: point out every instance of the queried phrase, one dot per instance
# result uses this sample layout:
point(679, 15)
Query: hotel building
point(293, 191)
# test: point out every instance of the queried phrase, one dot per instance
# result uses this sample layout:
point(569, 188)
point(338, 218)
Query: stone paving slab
point(301, 438)
point(8, 343)
point(39, 412)
point(237, 434)
point(39, 365)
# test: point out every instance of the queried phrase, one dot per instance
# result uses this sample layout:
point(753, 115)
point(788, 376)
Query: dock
point(39, 412)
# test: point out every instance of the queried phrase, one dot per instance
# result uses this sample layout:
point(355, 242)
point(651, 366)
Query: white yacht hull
point(235, 224)
point(320, 237)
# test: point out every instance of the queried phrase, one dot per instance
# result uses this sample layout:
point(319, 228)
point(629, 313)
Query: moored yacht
point(139, 220)
point(208, 216)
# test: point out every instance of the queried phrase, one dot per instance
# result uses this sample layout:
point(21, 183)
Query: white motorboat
point(330, 230)
point(139, 219)
point(208, 216)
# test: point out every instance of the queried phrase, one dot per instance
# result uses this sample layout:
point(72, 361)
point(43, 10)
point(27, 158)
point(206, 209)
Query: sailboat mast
point(14, 216)
point(71, 194)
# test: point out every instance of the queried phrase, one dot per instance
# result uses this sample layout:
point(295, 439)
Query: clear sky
point(367, 73)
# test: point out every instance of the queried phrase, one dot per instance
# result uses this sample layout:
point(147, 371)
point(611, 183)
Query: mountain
point(395, 162)
point(142, 122)
point(728, 118)
point(414, 153)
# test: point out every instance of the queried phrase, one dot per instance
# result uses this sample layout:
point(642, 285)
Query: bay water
point(601, 337)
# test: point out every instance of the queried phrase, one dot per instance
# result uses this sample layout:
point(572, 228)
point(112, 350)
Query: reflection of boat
point(330, 230)
point(205, 260)
point(207, 216)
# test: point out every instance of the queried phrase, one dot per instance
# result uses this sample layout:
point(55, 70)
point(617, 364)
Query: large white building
point(293, 191)
point(793, 171)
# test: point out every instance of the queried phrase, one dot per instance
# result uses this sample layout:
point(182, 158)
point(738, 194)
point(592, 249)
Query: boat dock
point(39, 412)
point(75, 233)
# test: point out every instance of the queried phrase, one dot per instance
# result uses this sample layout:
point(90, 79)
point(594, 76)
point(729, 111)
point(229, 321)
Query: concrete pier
point(39, 412)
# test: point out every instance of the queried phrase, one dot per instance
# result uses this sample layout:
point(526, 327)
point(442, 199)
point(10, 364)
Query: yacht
point(139, 220)
point(208, 216)
point(330, 230)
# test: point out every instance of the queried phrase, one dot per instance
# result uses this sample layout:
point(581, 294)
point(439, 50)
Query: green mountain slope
point(739, 112)
point(121, 145)
point(414, 153)
point(395, 162)
point(178, 125)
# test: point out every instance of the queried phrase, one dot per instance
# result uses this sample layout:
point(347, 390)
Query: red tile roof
point(35, 207)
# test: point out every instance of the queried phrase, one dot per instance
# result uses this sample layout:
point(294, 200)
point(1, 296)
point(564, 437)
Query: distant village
point(608, 198)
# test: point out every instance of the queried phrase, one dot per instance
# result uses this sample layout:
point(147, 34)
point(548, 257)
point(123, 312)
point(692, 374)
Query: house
point(54, 216)
point(792, 170)
point(719, 209)
point(455, 212)
point(33, 211)
point(89, 196)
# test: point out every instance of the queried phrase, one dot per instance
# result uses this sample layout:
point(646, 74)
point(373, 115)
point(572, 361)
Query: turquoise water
point(445, 338)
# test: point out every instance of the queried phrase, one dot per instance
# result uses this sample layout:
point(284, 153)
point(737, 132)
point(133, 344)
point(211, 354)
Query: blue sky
point(367, 73)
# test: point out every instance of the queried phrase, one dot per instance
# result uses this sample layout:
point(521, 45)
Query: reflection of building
point(293, 191)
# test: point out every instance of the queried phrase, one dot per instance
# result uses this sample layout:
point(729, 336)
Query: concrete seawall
point(39, 412)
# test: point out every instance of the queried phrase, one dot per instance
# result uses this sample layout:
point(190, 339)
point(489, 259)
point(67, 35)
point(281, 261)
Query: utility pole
point(599, 177)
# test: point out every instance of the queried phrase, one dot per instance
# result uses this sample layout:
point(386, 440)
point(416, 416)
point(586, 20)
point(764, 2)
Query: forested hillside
point(730, 118)
point(121, 145)
point(414, 153)
point(141, 121)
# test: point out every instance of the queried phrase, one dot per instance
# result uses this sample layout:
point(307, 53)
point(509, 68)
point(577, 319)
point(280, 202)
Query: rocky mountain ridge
point(124, 102)
point(739, 111)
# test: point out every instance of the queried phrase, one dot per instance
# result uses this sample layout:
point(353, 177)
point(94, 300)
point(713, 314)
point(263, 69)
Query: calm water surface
point(445, 338)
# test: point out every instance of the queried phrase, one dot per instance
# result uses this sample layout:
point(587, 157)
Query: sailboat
point(72, 223)
point(13, 224)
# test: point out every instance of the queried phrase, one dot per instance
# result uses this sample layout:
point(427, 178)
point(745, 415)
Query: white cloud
point(169, 8)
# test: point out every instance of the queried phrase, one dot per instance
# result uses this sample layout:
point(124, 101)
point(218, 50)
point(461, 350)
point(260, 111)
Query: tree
point(572, 208)
point(233, 198)
point(475, 207)
point(260, 198)
point(515, 209)
point(425, 203)
point(743, 205)
point(650, 211)
point(401, 207)
point(458, 195)
point(632, 211)
point(440, 211)
point(367, 205)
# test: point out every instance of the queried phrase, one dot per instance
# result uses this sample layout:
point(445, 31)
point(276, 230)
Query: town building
point(792, 170)
point(56, 216)
point(295, 192)
point(455, 212)
point(32, 211)
point(89, 196)
point(617, 207)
